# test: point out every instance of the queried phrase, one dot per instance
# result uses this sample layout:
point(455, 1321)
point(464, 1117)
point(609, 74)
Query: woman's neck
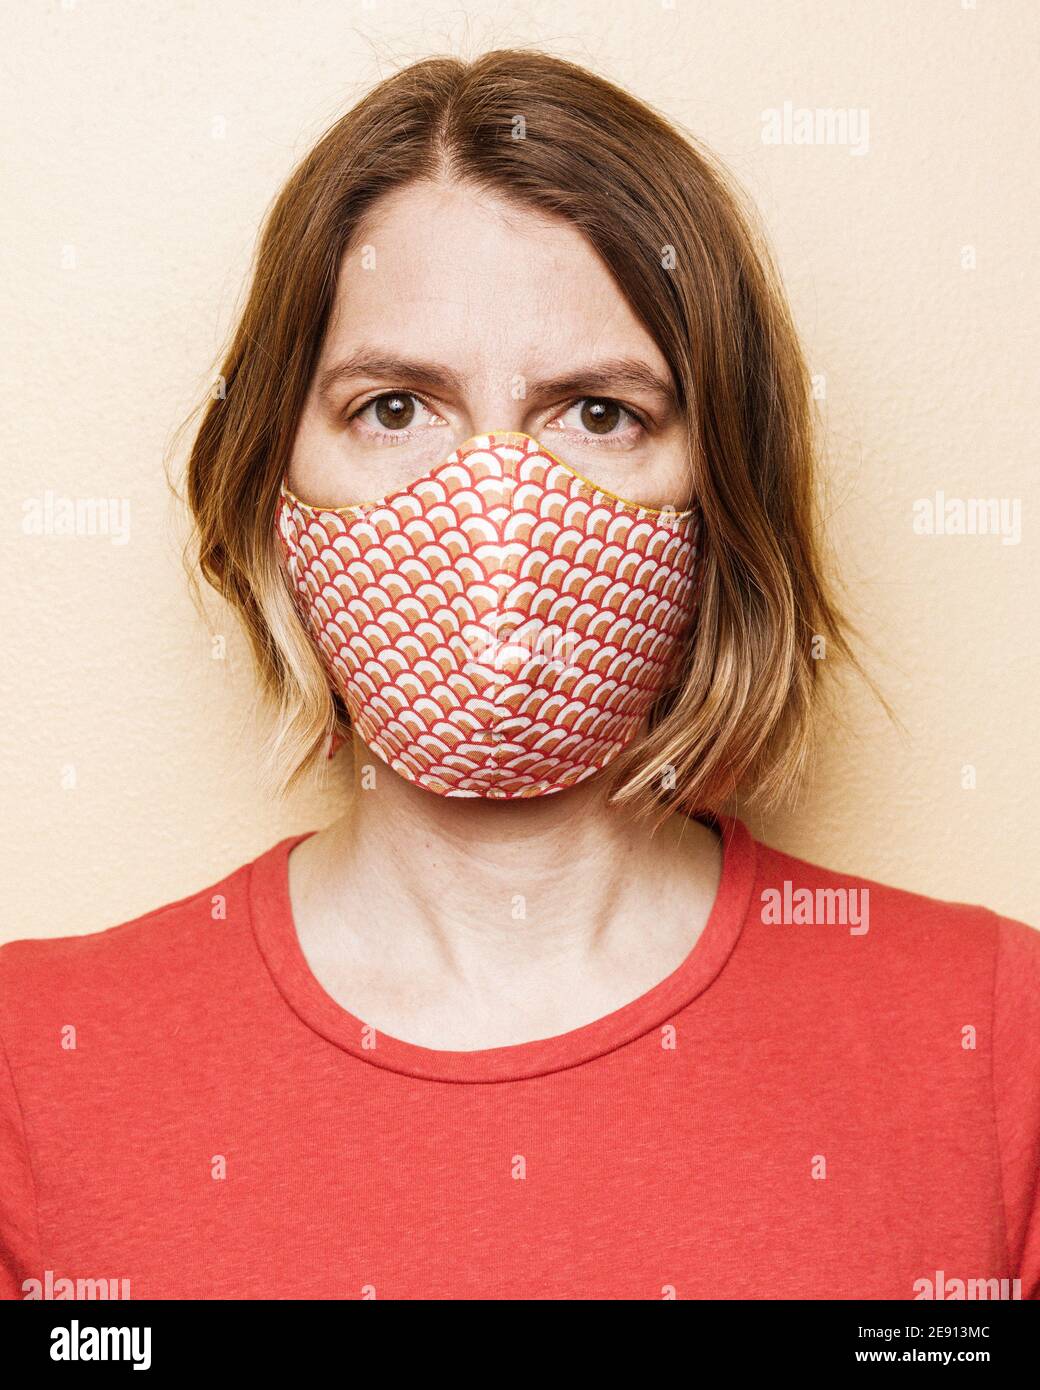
point(461, 923)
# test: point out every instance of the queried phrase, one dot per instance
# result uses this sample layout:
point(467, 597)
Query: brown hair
point(679, 240)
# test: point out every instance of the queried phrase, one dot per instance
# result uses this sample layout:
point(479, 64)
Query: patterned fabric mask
point(500, 627)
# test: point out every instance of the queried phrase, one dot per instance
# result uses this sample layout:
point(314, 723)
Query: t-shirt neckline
point(278, 942)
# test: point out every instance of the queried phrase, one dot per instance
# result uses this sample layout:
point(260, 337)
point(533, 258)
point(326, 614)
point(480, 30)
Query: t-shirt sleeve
point(19, 1229)
point(1016, 1085)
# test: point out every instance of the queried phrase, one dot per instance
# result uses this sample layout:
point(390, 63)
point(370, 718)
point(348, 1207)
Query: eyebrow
point(604, 378)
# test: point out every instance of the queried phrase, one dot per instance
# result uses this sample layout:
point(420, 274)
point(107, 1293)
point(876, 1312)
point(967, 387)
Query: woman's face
point(458, 313)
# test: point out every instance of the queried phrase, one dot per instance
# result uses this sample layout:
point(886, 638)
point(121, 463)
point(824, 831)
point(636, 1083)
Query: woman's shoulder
point(122, 964)
point(865, 939)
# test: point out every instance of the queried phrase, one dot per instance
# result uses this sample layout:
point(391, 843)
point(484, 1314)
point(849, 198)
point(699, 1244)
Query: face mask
point(500, 627)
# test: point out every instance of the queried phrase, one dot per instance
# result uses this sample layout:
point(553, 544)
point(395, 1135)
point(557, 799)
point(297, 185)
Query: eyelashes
point(395, 435)
point(633, 422)
point(595, 436)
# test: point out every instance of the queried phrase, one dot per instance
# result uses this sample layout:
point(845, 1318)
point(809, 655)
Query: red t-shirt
point(803, 1109)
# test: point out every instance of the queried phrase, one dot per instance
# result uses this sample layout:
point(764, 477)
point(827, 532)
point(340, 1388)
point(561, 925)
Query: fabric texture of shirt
point(833, 1096)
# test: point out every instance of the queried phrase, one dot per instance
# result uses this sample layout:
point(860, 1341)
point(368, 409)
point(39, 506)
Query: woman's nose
point(502, 411)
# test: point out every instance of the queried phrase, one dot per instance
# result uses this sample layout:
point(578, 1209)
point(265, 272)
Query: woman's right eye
point(393, 413)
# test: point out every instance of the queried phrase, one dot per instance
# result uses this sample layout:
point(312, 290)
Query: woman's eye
point(393, 412)
point(597, 415)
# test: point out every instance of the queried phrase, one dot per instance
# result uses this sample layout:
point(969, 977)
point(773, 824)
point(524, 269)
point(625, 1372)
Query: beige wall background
point(144, 142)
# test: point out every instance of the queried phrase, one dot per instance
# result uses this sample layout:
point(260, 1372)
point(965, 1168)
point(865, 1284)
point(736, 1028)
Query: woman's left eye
point(598, 416)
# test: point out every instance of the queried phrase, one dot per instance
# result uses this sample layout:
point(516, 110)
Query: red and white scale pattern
point(499, 627)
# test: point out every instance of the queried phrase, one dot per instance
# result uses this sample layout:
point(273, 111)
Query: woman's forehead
point(479, 280)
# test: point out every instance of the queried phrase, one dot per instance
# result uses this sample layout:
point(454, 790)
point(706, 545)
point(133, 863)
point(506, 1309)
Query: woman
point(509, 479)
